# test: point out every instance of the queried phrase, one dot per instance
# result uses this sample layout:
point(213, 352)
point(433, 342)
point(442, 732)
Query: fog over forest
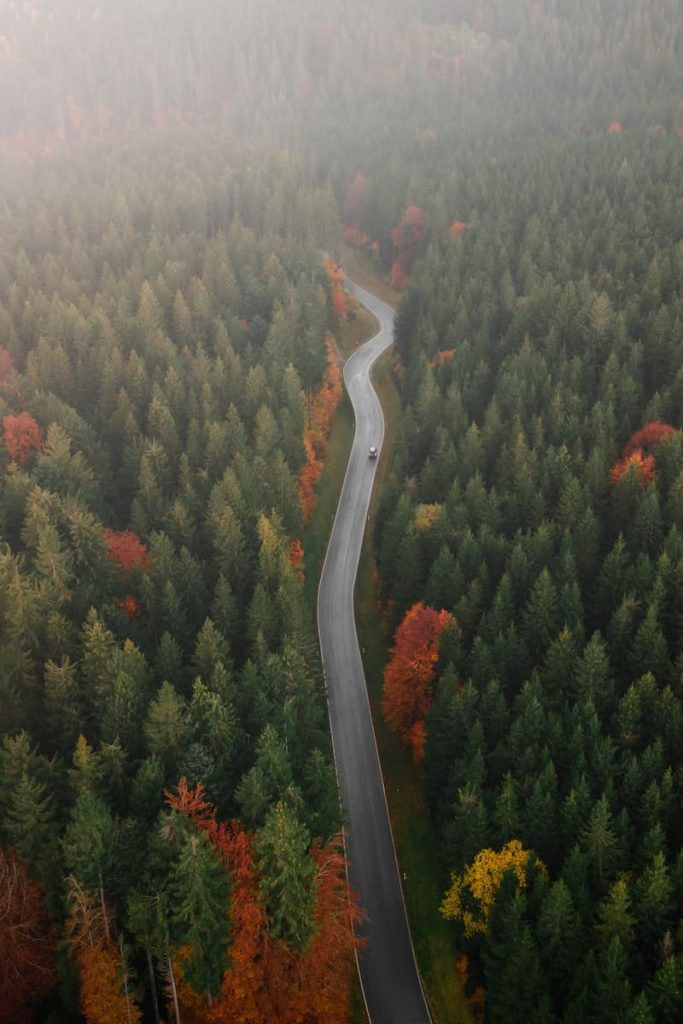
point(184, 187)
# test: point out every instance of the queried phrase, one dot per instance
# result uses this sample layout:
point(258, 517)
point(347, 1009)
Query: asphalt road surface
point(391, 984)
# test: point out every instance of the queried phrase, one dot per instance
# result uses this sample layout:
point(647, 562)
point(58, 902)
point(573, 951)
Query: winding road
point(389, 977)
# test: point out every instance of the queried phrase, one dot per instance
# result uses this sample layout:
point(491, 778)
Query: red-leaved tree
point(457, 228)
point(644, 465)
point(126, 549)
point(634, 456)
point(409, 674)
point(27, 942)
point(296, 558)
point(318, 430)
point(647, 437)
point(21, 436)
point(129, 604)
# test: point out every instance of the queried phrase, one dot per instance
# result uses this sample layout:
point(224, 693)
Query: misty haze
point(341, 512)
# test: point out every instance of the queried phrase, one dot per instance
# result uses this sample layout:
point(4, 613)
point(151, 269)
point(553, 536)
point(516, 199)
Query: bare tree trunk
point(174, 991)
point(153, 986)
point(124, 974)
point(105, 915)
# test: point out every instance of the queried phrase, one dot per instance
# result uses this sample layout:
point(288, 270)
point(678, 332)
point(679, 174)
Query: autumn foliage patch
point(336, 276)
point(27, 942)
point(129, 604)
point(444, 355)
point(317, 432)
point(106, 996)
point(21, 436)
point(634, 452)
point(409, 674)
point(266, 979)
point(296, 558)
point(406, 239)
point(126, 549)
point(103, 997)
point(644, 465)
point(648, 437)
point(471, 895)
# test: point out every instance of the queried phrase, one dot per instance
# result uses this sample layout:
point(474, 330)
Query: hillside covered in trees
point(535, 495)
point(171, 174)
point(159, 334)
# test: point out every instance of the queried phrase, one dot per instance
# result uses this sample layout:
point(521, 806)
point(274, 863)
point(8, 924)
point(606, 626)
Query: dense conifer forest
point(171, 174)
point(536, 496)
point(163, 312)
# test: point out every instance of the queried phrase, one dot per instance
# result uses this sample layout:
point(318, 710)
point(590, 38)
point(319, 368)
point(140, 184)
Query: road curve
point(391, 984)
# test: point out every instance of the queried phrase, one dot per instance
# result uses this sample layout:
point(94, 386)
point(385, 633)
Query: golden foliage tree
point(470, 897)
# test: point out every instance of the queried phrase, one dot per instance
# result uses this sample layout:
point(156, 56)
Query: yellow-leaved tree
point(471, 895)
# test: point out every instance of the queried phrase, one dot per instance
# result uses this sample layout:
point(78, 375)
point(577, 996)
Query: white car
point(372, 453)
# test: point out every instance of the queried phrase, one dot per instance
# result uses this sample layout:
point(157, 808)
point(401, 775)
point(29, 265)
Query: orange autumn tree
point(648, 436)
point(644, 465)
point(634, 456)
point(406, 238)
point(296, 558)
point(21, 436)
point(336, 277)
point(409, 674)
point(317, 431)
point(126, 549)
point(129, 604)
point(444, 355)
point(244, 995)
point(267, 980)
point(28, 940)
point(106, 996)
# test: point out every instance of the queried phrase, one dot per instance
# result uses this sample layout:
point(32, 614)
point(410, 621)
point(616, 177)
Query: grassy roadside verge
point(361, 268)
point(317, 533)
point(413, 833)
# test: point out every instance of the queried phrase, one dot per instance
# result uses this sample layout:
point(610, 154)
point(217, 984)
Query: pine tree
point(89, 843)
point(281, 849)
point(200, 920)
point(613, 996)
point(31, 827)
point(560, 934)
point(166, 727)
point(615, 919)
point(598, 840)
point(665, 992)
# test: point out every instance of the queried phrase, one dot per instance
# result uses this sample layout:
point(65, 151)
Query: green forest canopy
point(163, 309)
